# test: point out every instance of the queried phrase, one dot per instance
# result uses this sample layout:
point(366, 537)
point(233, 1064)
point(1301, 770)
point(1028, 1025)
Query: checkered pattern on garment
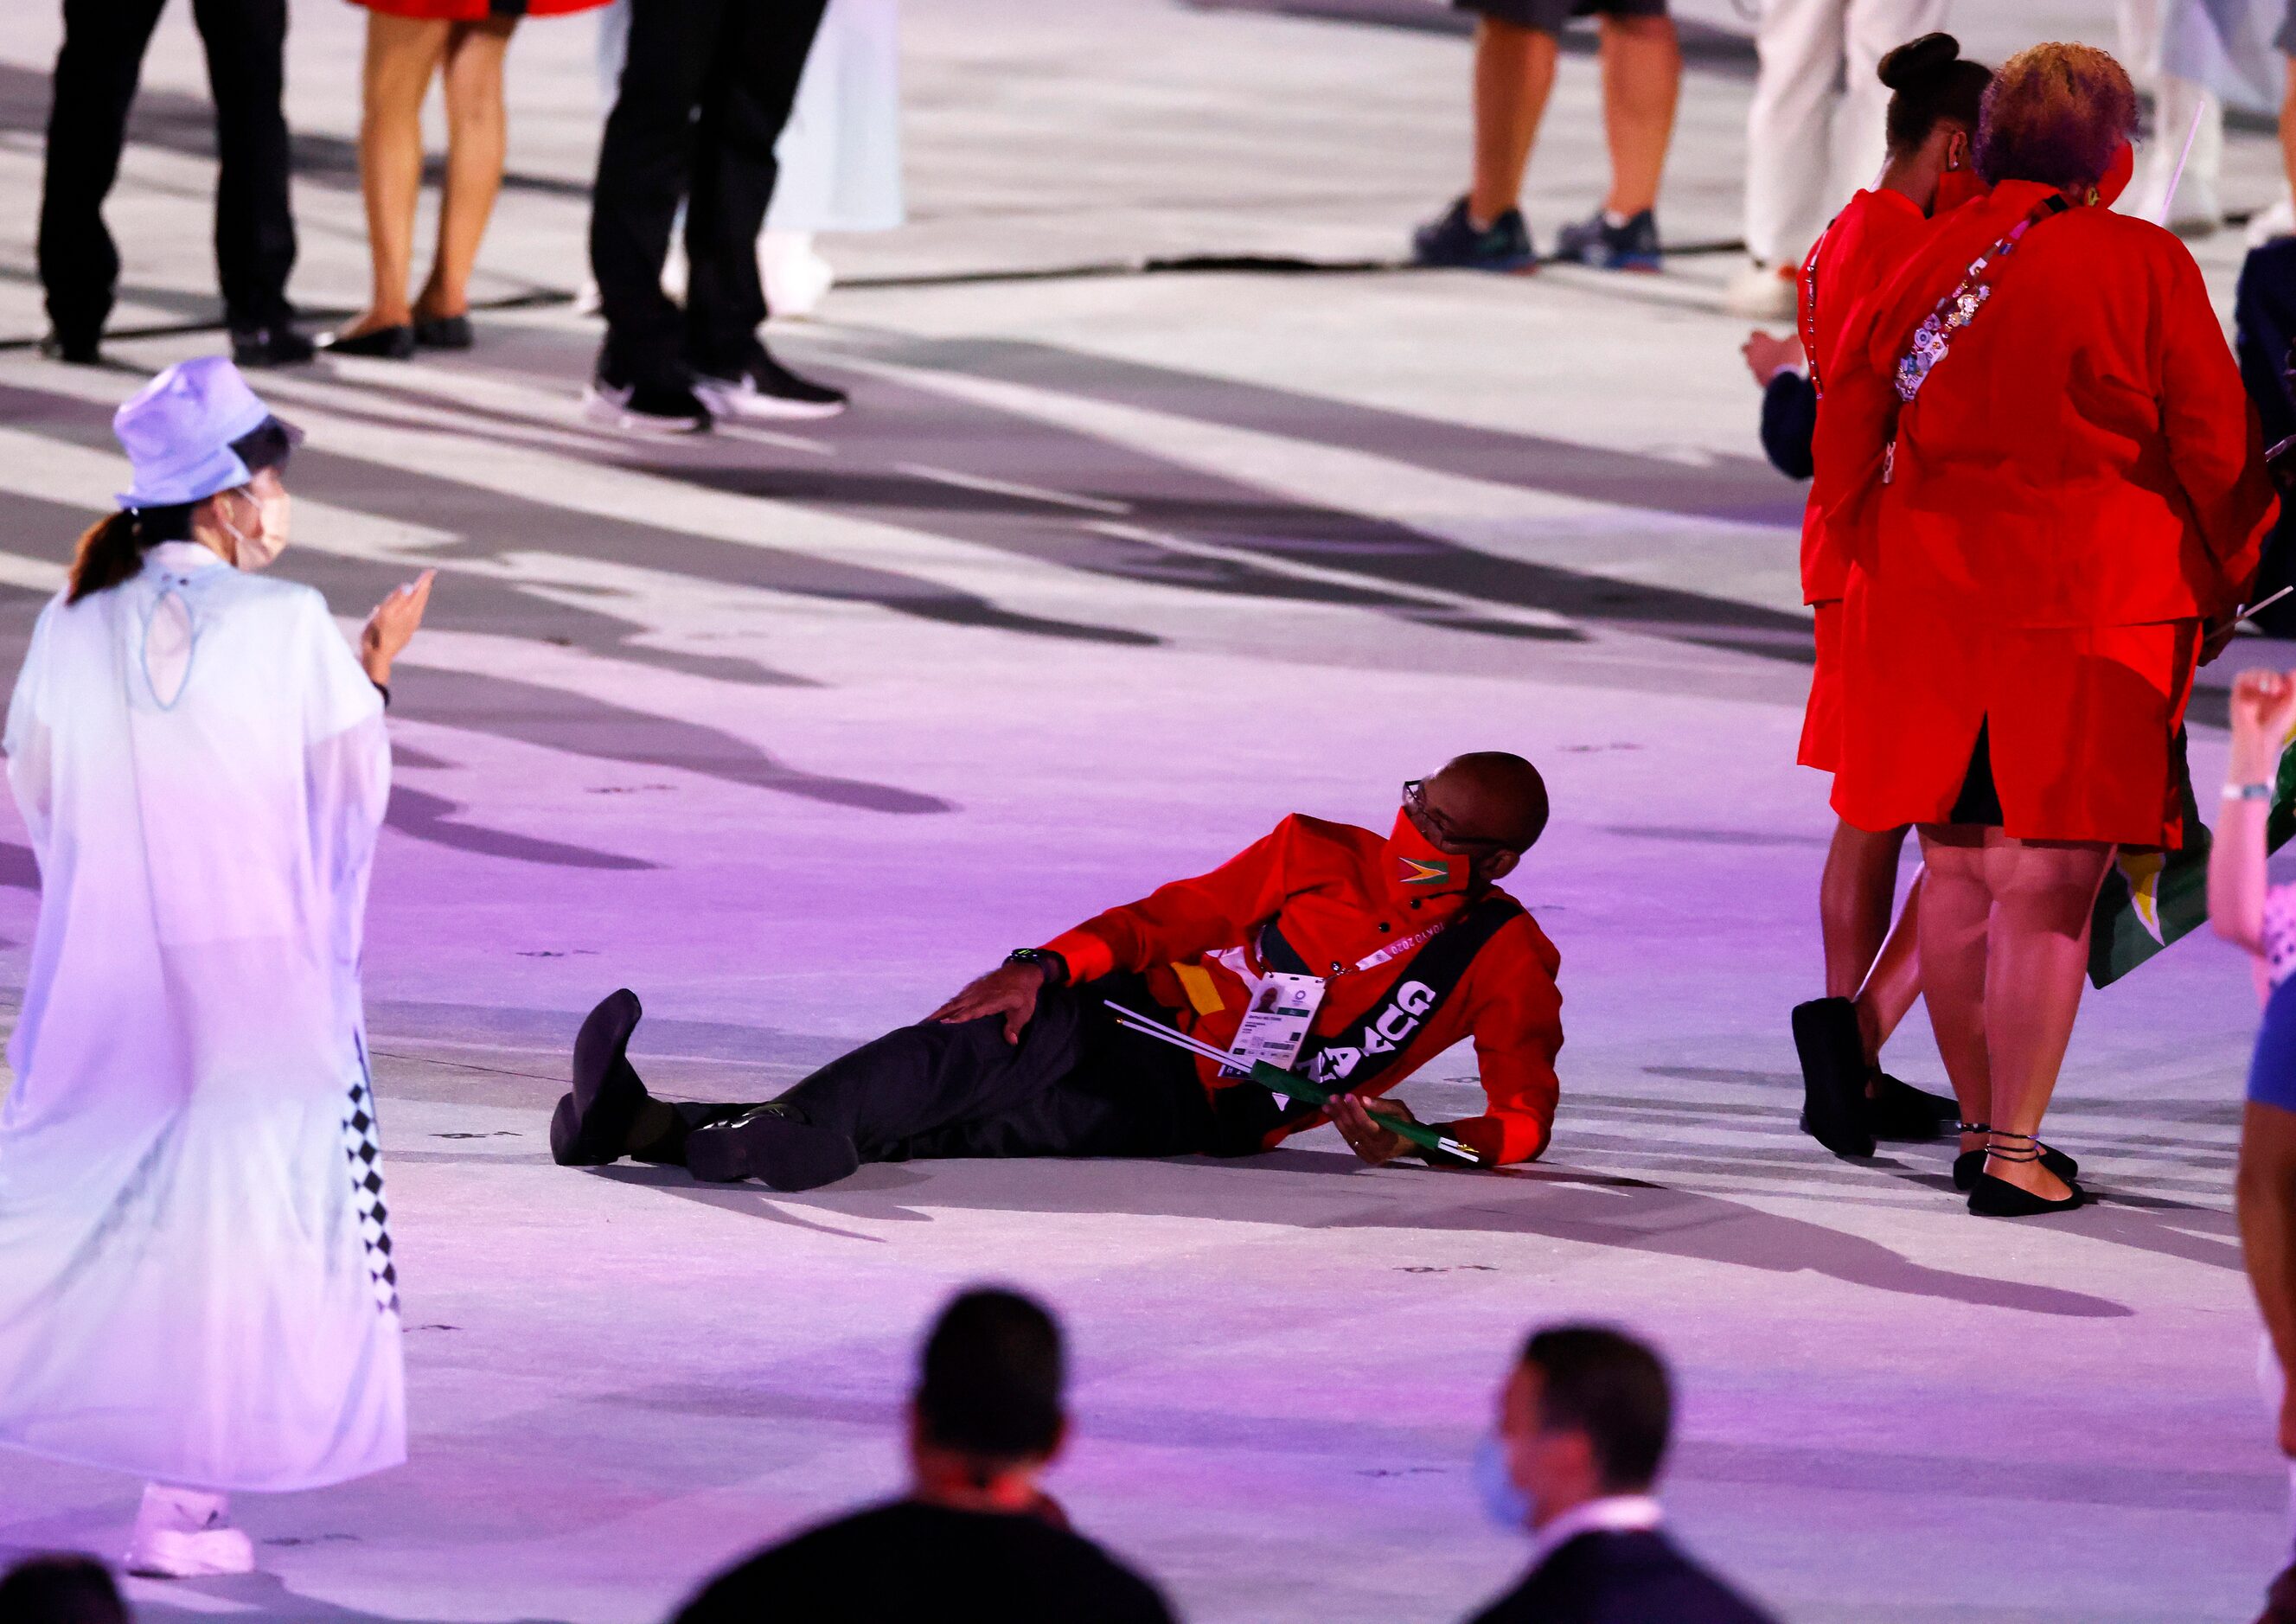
point(365, 1154)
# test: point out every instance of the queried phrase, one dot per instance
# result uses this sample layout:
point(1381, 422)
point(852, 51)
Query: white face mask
point(252, 553)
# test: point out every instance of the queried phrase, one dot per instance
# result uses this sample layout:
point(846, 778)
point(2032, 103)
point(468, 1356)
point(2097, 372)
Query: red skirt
point(1821, 718)
point(477, 10)
point(2081, 722)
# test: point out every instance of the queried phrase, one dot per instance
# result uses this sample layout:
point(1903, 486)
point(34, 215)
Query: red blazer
point(2084, 454)
point(1863, 247)
point(1328, 884)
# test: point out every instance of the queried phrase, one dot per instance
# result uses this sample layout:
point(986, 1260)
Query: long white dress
point(195, 1278)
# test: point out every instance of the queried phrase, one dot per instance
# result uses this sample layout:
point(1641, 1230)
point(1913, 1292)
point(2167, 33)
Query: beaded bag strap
point(1958, 308)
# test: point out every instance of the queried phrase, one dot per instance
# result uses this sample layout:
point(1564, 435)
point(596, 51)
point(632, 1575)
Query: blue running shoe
point(1595, 241)
point(1453, 241)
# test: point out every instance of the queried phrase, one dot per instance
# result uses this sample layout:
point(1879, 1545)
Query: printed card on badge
point(1275, 1027)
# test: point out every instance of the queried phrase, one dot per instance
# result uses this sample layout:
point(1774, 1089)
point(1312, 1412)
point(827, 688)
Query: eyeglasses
point(1436, 828)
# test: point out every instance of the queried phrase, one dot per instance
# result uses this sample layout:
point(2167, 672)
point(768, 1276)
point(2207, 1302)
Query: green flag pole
point(1276, 1080)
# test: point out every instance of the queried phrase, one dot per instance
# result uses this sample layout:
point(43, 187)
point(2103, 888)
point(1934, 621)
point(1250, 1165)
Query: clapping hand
point(2263, 712)
point(392, 626)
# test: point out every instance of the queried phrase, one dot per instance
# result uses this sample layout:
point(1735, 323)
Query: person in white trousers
point(2176, 101)
point(1814, 134)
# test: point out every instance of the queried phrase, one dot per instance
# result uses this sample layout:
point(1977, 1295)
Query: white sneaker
point(1764, 293)
point(2275, 223)
point(768, 391)
point(186, 1533)
point(627, 409)
point(588, 300)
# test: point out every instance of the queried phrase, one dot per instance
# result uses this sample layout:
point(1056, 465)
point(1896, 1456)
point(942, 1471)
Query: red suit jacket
point(2079, 483)
point(1859, 252)
point(1327, 885)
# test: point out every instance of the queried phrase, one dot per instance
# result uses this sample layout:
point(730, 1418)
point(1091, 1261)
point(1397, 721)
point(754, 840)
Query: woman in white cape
point(195, 1275)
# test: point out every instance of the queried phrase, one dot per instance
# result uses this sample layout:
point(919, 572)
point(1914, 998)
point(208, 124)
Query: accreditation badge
point(1276, 1026)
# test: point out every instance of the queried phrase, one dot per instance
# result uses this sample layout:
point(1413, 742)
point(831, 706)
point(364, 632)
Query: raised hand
point(392, 626)
point(2263, 712)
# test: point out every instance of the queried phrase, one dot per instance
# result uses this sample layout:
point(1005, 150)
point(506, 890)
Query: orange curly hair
point(2055, 114)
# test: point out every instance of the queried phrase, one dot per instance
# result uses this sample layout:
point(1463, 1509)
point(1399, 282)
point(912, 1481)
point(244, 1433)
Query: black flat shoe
point(1832, 1076)
point(384, 343)
point(592, 1124)
point(775, 1144)
point(443, 332)
point(1999, 1198)
point(73, 349)
point(1969, 1164)
point(280, 346)
point(1898, 1111)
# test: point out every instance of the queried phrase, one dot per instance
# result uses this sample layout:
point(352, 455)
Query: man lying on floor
point(1322, 947)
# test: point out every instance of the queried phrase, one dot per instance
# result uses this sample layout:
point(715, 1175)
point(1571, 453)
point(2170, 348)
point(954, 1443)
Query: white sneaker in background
point(2275, 223)
point(1764, 292)
point(588, 300)
point(186, 1533)
point(796, 277)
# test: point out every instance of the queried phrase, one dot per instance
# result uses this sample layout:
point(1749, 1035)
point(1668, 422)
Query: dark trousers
point(97, 71)
point(1076, 1085)
point(2264, 324)
point(705, 90)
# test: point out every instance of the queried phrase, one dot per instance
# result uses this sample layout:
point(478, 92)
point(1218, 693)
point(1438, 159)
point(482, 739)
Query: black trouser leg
point(96, 71)
point(1074, 1086)
point(644, 162)
point(246, 42)
point(745, 102)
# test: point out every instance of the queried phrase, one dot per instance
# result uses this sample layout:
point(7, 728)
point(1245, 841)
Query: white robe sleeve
point(31, 755)
point(346, 776)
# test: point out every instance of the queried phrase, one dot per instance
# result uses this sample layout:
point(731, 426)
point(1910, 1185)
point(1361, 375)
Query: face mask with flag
point(1417, 867)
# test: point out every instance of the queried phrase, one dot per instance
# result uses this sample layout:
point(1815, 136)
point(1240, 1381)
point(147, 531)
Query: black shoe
point(1999, 1198)
point(74, 351)
point(1594, 241)
point(1970, 1164)
point(765, 391)
point(393, 343)
point(1452, 240)
point(592, 1124)
point(645, 409)
point(1832, 1076)
point(773, 1144)
point(1901, 1112)
point(443, 332)
point(280, 346)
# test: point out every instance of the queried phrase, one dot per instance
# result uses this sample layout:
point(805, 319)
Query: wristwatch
point(1056, 967)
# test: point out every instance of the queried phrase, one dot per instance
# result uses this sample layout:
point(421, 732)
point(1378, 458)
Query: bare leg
point(476, 135)
point(1642, 78)
point(1855, 897)
point(1514, 73)
point(2037, 959)
point(402, 52)
point(1895, 981)
point(1954, 923)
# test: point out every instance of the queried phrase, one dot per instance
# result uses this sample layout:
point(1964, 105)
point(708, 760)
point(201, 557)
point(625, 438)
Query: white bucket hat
point(178, 429)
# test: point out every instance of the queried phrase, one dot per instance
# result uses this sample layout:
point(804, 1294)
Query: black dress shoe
point(1999, 1198)
point(773, 1144)
point(443, 332)
point(384, 343)
point(280, 346)
point(1899, 1110)
point(74, 349)
point(1833, 1072)
point(592, 1124)
point(1970, 1164)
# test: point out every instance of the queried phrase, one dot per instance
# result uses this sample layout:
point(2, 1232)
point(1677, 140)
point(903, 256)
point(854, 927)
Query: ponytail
point(1933, 83)
point(112, 549)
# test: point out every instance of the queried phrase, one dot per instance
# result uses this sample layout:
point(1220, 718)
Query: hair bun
point(1918, 60)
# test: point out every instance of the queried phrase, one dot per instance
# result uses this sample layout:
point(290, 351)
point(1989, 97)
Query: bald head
point(1490, 795)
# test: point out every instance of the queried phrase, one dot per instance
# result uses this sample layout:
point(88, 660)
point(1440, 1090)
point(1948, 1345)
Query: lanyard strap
point(1959, 307)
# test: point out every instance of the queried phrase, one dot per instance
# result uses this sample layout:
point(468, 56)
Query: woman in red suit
point(408, 42)
point(1871, 976)
point(2040, 454)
